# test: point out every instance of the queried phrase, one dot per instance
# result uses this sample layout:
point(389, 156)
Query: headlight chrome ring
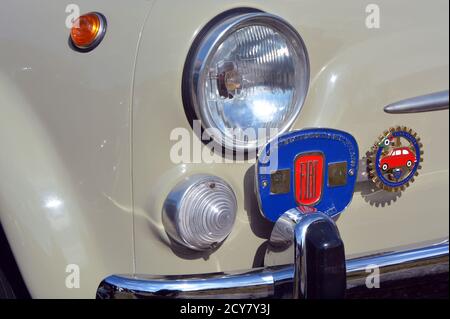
point(246, 71)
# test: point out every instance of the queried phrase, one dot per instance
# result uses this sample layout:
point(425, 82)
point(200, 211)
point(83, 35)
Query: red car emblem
point(398, 157)
point(394, 160)
point(308, 178)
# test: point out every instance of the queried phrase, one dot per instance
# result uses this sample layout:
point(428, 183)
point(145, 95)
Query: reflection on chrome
point(272, 282)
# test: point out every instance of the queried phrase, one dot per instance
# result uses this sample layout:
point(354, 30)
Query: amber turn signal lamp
point(88, 31)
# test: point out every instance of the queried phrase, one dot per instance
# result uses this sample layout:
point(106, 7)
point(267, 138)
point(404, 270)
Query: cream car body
point(85, 150)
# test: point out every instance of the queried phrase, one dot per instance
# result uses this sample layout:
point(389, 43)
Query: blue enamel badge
point(313, 170)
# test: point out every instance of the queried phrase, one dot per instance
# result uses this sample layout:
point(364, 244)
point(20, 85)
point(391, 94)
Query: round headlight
point(245, 75)
point(199, 213)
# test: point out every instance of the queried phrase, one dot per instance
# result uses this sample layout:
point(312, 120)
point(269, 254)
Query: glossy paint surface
point(355, 72)
point(65, 182)
point(85, 138)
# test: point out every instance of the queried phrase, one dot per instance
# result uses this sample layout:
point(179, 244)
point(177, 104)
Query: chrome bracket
point(313, 244)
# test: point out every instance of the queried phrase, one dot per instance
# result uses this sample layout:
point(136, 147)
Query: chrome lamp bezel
point(174, 202)
point(202, 51)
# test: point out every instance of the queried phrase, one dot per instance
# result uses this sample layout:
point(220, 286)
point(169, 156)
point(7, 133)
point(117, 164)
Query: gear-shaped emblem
point(394, 160)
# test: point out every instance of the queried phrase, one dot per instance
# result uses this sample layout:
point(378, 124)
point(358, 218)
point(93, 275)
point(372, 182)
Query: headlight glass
point(249, 71)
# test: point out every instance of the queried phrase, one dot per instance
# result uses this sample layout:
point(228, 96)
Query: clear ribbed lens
point(254, 77)
point(204, 212)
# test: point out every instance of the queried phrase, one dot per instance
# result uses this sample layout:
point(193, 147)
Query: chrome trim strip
point(272, 282)
point(400, 265)
point(257, 283)
point(425, 103)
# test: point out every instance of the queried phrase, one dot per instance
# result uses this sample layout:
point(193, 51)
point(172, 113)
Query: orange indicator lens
point(86, 30)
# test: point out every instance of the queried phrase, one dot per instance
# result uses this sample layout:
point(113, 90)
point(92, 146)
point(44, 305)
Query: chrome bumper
point(275, 282)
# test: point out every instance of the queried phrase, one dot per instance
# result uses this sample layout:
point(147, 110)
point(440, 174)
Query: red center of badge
point(308, 178)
